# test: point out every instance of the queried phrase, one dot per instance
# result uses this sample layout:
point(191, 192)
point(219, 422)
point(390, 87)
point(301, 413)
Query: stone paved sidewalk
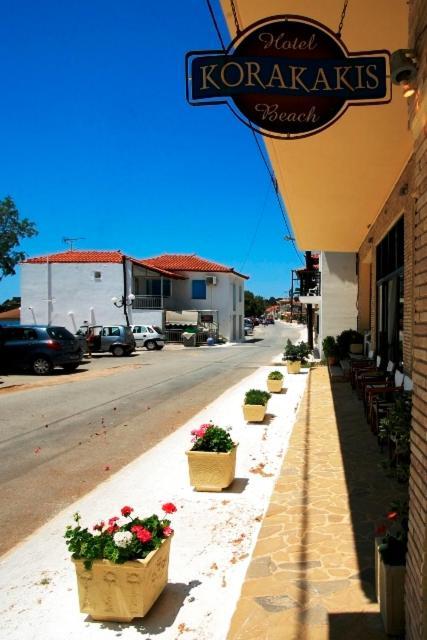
point(312, 572)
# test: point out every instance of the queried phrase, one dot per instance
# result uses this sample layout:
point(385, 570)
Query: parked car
point(270, 320)
point(149, 336)
point(248, 326)
point(39, 348)
point(117, 339)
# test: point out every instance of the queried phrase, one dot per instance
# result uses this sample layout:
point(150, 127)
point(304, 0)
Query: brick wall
point(400, 202)
point(416, 575)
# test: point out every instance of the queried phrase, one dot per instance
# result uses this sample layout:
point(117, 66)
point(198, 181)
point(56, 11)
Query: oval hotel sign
point(288, 77)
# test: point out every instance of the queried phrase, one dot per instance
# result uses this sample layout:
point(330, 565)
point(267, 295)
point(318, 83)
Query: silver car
point(149, 336)
point(117, 339)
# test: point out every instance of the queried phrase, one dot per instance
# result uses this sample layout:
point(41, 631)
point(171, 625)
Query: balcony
point(306, 286)
point(148, 302)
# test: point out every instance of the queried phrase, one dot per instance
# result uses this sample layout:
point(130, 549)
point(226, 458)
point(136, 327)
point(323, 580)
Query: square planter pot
point(211, 471)
point(121, 592)
point(356, 348)
point(377, 541)
point(392, 607)
point(293, 367)
point(254, 412)
point(274, 386)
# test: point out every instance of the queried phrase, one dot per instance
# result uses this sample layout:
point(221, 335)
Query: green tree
point(12, 230)
point(254, 305)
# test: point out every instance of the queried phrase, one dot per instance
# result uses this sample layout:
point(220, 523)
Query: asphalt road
point(58, 440)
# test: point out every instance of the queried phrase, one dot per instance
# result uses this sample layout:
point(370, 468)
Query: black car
point(38, 348)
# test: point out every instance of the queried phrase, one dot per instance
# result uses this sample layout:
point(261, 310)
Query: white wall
point(72, 288)
point(338, 309)
point(219, 297)
point(147, 316)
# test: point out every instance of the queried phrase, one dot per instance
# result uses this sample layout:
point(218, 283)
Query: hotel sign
point(288, 77)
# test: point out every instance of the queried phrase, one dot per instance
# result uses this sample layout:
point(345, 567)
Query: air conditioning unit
point(211, 280)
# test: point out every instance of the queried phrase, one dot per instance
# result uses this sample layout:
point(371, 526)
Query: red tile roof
point(97, 257)
point(189, 262)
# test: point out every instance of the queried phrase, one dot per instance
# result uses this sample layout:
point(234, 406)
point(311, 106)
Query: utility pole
point(308, 266)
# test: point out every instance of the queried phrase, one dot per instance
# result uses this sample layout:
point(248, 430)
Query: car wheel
point(71, 366)
point(150, 345)
point(41, 366)
point(118, 351)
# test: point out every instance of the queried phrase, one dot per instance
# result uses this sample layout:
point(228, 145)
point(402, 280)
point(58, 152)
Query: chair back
point(398, 378)
point(407, 384)
point(390, 366)
point(378, 362)
point(371, 354)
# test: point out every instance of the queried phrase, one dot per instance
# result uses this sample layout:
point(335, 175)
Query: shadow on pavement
point(161, 616)
point(237, 486)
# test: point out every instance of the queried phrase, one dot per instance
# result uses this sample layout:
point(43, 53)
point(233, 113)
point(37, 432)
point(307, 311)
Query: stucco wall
point(338, 309)
point(75, 294)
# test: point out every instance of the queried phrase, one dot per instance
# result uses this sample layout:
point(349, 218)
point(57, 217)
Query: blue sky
point(98, 140)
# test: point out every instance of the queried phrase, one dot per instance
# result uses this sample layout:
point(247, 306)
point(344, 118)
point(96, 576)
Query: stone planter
point(391, 588)
point(274, 386)
point(211, 471)
point(294, 366)
point(377, 541)
point(254, 412)
point(121, 592)
point(356, 348)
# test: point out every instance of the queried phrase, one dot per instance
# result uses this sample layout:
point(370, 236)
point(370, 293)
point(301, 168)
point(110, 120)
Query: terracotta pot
point(274, 386)
point(392, 606)
point(211, 471)
point(293, 366)
point(254, 412)
point(121, 592)
point(332, 360)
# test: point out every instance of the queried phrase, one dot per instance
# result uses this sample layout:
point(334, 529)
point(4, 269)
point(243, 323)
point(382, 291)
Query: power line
point(262, 211)
point(267, 165)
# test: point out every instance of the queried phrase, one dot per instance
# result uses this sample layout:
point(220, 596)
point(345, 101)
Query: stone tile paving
point(312, 571)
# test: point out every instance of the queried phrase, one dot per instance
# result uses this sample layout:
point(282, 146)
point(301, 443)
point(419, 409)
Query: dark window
point(198, 289)
point(59, 333)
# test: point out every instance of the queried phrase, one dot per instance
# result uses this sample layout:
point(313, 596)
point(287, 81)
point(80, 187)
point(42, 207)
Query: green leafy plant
point(295, 352)
point(345, 339)
point(256, 396)
point(210, 437)
point(330, 347)
point(275, 375)
point(120, 538)
point(394, 533)
point(394, 430)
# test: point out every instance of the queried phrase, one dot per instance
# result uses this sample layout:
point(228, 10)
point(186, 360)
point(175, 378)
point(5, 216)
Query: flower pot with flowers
point(296, 355)
point(122, 564)
point(391, 545)
point(212, 458)
point(255, 405)
point(330, 350)
point(275, 382)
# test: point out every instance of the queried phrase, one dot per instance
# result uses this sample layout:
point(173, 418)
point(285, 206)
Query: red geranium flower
point(168, 507)
point(379, 531)
point(126, 511)
point(112, 521)
point(167, 531)
point(393, 515)
point(142, 534)
point(112, 529)
point(99, 527)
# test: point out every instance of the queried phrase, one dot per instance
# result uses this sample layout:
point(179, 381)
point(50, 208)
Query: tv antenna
point(71, 241)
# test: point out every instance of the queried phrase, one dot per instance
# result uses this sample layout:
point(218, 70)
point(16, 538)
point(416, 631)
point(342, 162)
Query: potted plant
point(255, 405)
point(296, 355)
point(330, 349)
point(275, 382)
point(349, 341)
point(122, 564)
point(212, 458)
point(390, 564)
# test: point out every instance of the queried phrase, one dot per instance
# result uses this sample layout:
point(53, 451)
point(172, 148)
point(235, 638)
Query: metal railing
point(175, 335)
point(305, 283)
point(148, 302)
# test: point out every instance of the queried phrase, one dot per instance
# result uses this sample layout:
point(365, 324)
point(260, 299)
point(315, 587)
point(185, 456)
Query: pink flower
point(126, 511)
point(200, 432)
point(393, 515)
point(99, 526)
point(112, 529)
point(168, 507)
point(167, 531)
point(142, 534)
point(112, 520)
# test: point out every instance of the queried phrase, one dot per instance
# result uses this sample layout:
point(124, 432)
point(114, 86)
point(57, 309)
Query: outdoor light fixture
point(408, 90)
point(403, 66)
point(123, 301)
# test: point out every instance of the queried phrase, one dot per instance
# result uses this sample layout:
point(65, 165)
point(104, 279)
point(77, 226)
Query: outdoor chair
point(382, 379)
point(360, 363)
point(384, 400)
point(372, 369)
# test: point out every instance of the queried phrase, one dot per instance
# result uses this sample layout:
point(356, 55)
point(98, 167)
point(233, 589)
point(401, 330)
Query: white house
point(72, 287)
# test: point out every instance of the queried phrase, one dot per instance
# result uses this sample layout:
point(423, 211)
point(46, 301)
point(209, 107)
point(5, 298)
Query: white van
point(148, 336)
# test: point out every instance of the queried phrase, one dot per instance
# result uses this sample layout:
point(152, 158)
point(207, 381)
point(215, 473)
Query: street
point(59, 441)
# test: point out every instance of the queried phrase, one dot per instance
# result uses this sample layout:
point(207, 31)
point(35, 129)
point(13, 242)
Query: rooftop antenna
point(71, 241)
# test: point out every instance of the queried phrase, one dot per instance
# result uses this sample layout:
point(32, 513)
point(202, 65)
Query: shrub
point(256, 396)
point(345, 339)
point(330, 347)
point(295, 352)
point(395, 541)
point(275, 375)
point(210, 437)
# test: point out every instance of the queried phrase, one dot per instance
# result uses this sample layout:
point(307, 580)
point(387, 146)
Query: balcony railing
point(306, 283)
point(148, 302)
